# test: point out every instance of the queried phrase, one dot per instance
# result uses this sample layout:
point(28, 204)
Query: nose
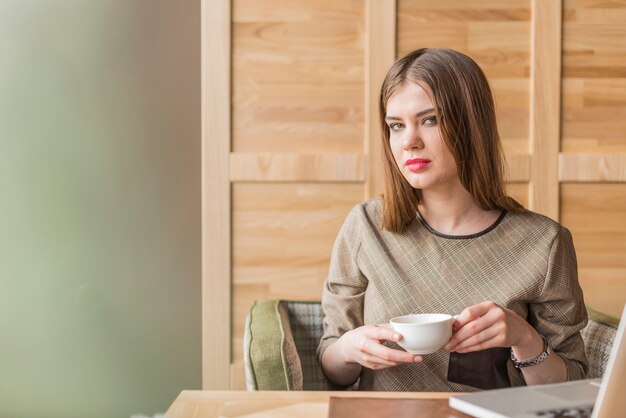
point(412, 140)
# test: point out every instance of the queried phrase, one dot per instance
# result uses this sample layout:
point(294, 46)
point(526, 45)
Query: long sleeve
point(559, 312)
point(344, 288)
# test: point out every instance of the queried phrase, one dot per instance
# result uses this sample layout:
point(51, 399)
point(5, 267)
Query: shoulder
point(366, 214)
point(364, 218)
point(530, 223)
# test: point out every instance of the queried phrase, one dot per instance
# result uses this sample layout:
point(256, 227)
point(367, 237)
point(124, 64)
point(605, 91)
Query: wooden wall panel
point(298, 76)
point(596, 215)
point(594, 76)
point(594, 146)
point(494, 33)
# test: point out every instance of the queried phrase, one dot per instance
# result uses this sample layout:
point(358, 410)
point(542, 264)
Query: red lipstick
point(417, 164)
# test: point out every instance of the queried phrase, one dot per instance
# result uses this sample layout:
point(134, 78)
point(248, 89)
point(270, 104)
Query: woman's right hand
point(364, 346)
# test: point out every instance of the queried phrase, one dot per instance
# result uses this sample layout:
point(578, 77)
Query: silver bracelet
point(541, 357)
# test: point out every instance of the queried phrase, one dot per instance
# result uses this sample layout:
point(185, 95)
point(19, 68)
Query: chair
point(281, 338)
point(280, 343)
point(598, 336)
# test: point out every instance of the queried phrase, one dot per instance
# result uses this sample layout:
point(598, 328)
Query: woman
point(445, 238)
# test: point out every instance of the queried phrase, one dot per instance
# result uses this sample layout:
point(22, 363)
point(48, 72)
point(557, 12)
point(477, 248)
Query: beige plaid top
point(524, 261)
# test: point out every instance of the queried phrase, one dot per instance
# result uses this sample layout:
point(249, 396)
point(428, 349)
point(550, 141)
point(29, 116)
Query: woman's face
point(416, 143)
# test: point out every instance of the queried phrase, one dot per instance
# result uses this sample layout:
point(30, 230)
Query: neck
point(455, 212)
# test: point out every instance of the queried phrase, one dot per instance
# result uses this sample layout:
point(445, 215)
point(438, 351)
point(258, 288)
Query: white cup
point(423, 333)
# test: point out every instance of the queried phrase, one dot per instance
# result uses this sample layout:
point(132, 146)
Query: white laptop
point(595, 398)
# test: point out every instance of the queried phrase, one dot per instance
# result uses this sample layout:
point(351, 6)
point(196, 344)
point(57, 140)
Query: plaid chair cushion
point(305, 319)
point(598, 336)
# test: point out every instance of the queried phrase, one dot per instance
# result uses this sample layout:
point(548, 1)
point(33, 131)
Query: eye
point(430, 121)
point(395, 127)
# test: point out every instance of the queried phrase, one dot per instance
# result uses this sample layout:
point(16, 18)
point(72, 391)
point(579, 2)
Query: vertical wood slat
point(216, 252)
point(545, 111)
point(380, 54)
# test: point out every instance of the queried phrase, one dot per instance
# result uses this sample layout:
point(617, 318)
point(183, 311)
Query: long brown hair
point(466, 118)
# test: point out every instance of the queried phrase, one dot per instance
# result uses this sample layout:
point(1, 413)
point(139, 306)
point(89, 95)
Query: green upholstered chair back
point(281, 338)
point(280, 343)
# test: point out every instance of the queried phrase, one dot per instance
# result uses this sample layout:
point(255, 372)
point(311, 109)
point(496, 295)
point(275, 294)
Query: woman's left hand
point(488, 325)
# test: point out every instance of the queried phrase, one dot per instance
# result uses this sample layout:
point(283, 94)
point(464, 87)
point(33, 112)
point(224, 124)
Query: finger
point(376, 349)
point(474, 327)
point(493, 342)
point(473, 312)
point(495, 318)
point(383, 357)
point(486, 335)
point(395, 335)
point(373, 362)
point(391, 354)
point(469, 330)
point(382, 332)
point(376, 363)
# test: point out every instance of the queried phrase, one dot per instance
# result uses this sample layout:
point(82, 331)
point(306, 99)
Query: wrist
point(344, 352)
point(530, 355)
point(529, 346)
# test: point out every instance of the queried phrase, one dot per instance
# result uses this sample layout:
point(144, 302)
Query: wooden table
point(262, 404)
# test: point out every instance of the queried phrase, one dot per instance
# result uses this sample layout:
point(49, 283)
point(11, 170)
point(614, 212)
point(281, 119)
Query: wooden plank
point(588, 129)
point(210, 404)
point(597, 208)
point(505, 35)
point(518, 167)
point(604, 289)
point(594, 77)
point(595, 213)
point(215, 194)
point(511, 96)
point(518, 191)
point(380, 55)
point(545, 113)
point(602, 38)
point(298, 71)
point(283, 167)
point(476, 6)
point(592, 167)
point(238, 375)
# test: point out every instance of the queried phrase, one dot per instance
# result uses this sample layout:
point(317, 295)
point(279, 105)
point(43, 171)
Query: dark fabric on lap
point(486, 369)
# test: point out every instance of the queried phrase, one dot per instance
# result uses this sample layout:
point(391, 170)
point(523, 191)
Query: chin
point(417, 183)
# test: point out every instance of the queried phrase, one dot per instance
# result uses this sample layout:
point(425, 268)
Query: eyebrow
point(417, 115)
